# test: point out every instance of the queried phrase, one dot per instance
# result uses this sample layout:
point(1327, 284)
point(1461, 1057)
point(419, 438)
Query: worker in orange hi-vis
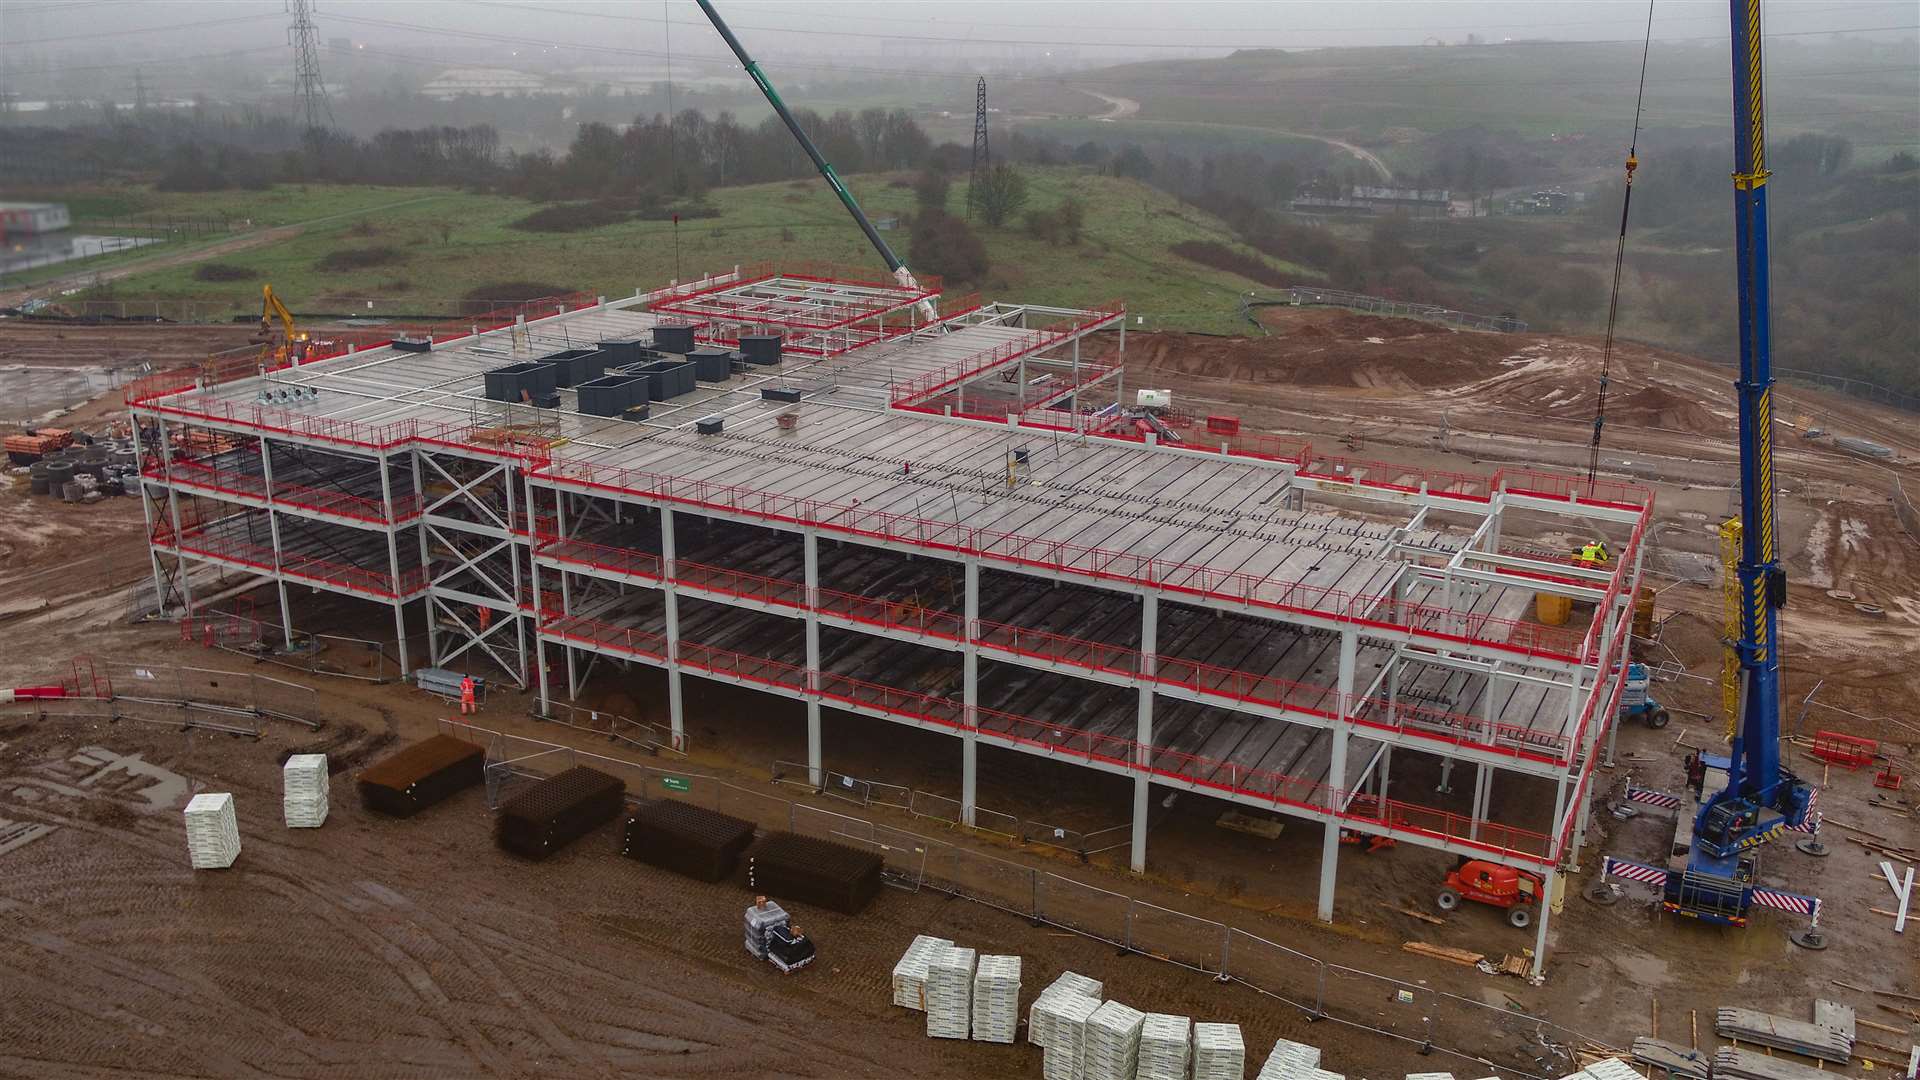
point(467, 706)
point(485, 615)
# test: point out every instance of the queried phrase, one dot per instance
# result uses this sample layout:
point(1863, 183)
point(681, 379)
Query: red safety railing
point(190, 473)
point(378, 583)
point(1052, 739)
point(618, 560)
point(894, 614)
point(1058, 648)
point(1847, 751)
point(717, 579)
point(1034, 341)
point(1388, 476)
point(1617, 493)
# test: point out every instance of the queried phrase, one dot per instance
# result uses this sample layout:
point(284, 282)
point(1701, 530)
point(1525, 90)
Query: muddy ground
point(375, 947)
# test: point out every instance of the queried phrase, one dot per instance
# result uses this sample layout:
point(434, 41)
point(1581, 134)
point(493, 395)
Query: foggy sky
point(1080, 31)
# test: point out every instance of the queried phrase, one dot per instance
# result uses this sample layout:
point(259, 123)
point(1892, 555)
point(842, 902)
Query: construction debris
point(1676, 1061)
point(1782, 1033)
point(1443, 952)
point(1737, 1064)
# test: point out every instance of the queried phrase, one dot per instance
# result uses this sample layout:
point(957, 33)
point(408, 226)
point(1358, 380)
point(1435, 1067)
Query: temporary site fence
point(1301, 295)
point(947, 810)
point(314, 654)
point(640, 734)
point(1530, 1046)
point(233, 702)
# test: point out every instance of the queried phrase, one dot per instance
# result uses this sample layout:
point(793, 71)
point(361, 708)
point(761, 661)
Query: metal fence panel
point(1079, 906)
point(977, 876)
point(827, 825)
point(1178, 938)
point(765, 809)
point(1275, 969)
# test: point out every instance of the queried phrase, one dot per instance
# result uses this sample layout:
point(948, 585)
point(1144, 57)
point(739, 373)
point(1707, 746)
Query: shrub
point(570, 217)
point(930, 189)
point(1221, 257)
point(219, 271)
point(943, 244)
point(1001, 194)
point(1062, 225)
point(361, 258)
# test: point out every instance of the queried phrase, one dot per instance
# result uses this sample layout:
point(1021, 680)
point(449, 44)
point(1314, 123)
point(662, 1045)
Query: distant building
point(32, 218)
point(482, 82)
point(1416, 202)
point(1551, 201)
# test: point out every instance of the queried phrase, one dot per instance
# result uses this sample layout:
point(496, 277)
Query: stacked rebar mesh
point(405, 783)
point(996, 999)
point(1043, 1014)
point(818, 872)
point(213, 833)
point(1165, 1047)
point(1065, 1054)
point(910, 974)
point(949, 992)
point(557, 811)
point(304, 790)
point(1219, 1052)
point(761, 919)
point(702, 844)
point(1113, 1042)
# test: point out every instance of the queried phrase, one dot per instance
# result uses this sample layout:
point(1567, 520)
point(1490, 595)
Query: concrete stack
point(1219, 1052)
point(304, 790)
point(910, 974)
point(1294, 1061)
point(996, 999)
point(1064, 1056)
point(1041, 1016)
point(213, 833)
point(949, 992)
point(1113, 1042)
point(1166, 1045)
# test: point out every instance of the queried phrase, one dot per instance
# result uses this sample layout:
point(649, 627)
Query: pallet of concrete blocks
point(1606, 1069)
point(404, 783)
point(761, 920)
point(1294, 1061)
point(1113, 1042)
point(555, 812)
point(1439, 1076)
point(304, 790)
point(702, 844)
point(949, 992)
point(1041, 1015)
point(1064, 1057)
point(814, 871)
point(910, 974)
point(213, 833)
point(996, 999)
point(1219, 1052)
point(1166, 1046)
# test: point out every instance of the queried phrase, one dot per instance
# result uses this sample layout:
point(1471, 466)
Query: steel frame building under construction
point(951, 525)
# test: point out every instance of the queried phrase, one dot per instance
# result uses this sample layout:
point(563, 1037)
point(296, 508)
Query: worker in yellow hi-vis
point(1593, 553)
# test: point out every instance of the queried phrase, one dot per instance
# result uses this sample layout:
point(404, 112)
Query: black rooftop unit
point(779, 393)
point(712, 365)
point(412, 344)
point(671, 378)
point(623, 351)
point(673, 338)
point(507, 383)
point(575, 366)
point(611, 395)
point(708, 425)
point(760, 349)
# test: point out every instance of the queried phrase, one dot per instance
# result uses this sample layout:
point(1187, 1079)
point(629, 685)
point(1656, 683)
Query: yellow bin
point(1552, 610)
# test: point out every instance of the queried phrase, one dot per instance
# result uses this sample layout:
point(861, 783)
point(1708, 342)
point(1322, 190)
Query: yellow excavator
point(292, 347)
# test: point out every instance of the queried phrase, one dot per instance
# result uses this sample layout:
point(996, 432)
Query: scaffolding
point(949, 529)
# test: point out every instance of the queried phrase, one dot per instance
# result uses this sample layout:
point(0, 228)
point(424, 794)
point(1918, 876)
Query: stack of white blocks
point(1113, 1042)
point(305, 790)
point(910, 974)
point(949, 991)
point(1041, 1015)
point(1439, 1076)
point(1295, 1061)
point(1064, 1055)
point(1165, 1047)
point(213, 833)
point(996, 999)
point(1219, 1052)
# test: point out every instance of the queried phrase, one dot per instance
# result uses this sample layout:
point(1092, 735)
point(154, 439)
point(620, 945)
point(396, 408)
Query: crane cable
point(1619, 259)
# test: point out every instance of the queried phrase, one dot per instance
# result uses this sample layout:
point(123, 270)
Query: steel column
point(393, 559)
point(1143, 726)
point(676, 714)
point(1337, 773)
point(970, 696)
point(273, 529)
point(816, 766)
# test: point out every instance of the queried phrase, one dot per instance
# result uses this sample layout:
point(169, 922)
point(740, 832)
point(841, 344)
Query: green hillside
point(448, 244)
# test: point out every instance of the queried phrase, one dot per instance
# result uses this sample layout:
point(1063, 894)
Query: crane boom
point(894, 263)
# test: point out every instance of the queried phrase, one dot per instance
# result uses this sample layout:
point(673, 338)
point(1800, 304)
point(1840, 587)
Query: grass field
point(453, 243)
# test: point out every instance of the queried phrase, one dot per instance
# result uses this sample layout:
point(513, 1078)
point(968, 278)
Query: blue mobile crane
point(1712, 869)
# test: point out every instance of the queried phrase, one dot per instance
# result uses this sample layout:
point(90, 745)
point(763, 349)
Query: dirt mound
point(1333, 349)
point(1655, 406)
